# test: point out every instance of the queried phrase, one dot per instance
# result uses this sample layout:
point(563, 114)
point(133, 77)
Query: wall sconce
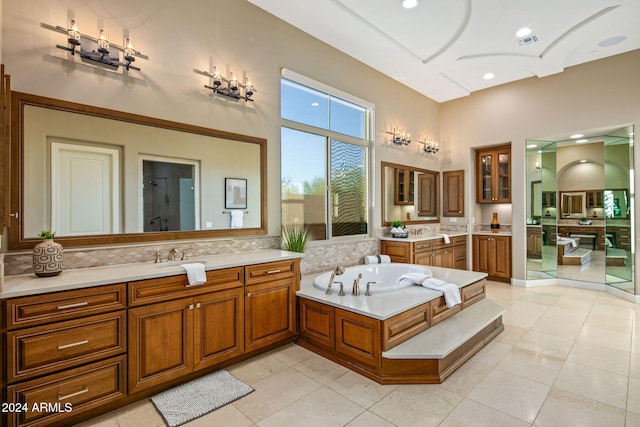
point(98, 49)
point(429, 146)
point(400, 138)
point(538, 165)
point(229, 87)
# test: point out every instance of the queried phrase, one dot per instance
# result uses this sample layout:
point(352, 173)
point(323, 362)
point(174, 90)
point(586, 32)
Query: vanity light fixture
point(430, 146)
point(97, 49)
point(229, 87)
point(400, 138)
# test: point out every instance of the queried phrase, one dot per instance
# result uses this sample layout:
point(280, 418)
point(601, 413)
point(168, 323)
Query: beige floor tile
point(540, 298)
point(492, 353)
point(634, 365)
point(359, 389)
point(529, 307)
point(560, 328)
point(510, 335)
point(292, 354)
point(633, 419)
point(416, 405)
point(565, 314)
point(633, 396)
point(542, 343)
point(320, 369)
point(141, 413)
point(466, 378)
point(473, 414)
point(228, 416)
point(322, 407)
point(611, 360)
point(257, 368)
point(531, 365)
point(368, 419)
point(511, 394)
point(520, 319)
point(593, 383)
point(605, 337)
point(562, 409)
point(275, 393)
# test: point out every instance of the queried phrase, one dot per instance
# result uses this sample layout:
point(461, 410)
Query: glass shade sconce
point(398, 137)
point(229, 86)
point(98, 49)
point(430, 146)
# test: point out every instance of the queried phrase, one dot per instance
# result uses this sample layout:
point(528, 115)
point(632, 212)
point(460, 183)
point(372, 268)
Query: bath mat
point(196, 398)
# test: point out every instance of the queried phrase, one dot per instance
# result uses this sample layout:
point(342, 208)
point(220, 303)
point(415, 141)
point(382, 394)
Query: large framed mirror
point(409, 195)
point(96, 176)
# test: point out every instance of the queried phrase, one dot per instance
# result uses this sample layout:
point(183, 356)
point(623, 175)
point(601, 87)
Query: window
point(324, 159)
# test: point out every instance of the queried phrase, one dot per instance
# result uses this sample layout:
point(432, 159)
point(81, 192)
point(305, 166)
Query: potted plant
point(47, 255)
point(535, 219)
point(295, 238)
point(398, 229)
point(584, 221)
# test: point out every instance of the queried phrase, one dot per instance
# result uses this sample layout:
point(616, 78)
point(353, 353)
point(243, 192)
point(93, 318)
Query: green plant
point(396, 224)
point(46, 234)
point(583, 219)
point(295, 238)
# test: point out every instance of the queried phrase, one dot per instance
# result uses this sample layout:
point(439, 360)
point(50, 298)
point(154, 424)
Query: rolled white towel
point(377, 259)
point(195, 273)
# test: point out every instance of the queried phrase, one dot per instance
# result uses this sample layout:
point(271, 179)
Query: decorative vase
point(47, 258)
point(495, 224)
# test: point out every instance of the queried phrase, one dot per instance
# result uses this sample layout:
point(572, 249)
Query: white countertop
point(490, 233)
point(385, 305)
point(420, 237)
point(30, 284)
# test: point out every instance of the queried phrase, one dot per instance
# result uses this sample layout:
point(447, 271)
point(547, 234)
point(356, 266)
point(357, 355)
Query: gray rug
point(196, 398)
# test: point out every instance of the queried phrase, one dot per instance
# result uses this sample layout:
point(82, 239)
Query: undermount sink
point(179, 263)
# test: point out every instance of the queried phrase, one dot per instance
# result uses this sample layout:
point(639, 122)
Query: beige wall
point(592, 96)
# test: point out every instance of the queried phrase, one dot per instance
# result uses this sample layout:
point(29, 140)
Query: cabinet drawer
point(438, 310)
point(81, 389)
point(66, 305)
point(45, 349)
point(260, 273)
point(472, 293)
point(174, 287)
point(423, 246)
point(404, 326)
point(459, 240)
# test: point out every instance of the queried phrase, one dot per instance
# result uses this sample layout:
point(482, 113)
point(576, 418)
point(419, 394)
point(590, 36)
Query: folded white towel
point(236, 218)
point(445, 237)
point(195, 273)
point(377, 259)
point(608, 242)
point(451, 292)
point(566, 239)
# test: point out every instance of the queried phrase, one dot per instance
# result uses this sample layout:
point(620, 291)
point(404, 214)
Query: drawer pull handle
point(273, 271)
point(62, 347)
point(77, 393)
point(78, 304)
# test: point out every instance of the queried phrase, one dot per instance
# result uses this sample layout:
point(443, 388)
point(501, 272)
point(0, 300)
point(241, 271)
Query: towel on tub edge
point(451, 292)
point(377, 259)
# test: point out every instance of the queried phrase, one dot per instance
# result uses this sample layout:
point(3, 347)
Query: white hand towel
point(451, 292)
point(195, 273)
point(415, 278)
point(236, 219)
point(608, 242)
point(572, 241)
point(377, 259)
point(446, 238)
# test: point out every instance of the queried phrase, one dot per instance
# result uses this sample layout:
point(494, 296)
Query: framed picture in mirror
point(235, 196)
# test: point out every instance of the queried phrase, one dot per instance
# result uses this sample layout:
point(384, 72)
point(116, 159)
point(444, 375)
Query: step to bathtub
point(616, 257)
point(579, 256)
point(441, 340)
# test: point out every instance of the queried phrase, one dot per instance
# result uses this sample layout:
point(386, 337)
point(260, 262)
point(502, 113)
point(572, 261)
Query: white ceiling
point(443, 48)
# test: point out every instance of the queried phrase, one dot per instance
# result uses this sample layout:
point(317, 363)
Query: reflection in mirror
point(97, 176)
point(573, 204)
point(409, 195)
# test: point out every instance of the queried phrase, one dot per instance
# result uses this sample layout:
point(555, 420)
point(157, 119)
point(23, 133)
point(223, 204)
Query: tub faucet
point(172, 254)
point(356, 286)
point(337, 272)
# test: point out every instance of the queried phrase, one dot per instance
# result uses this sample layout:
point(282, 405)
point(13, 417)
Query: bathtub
point(384, 274)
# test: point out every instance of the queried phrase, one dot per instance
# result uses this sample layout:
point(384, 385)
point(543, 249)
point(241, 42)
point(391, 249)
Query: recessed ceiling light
point(409, 4)
point(531, 146)
point(524, 31)
point(611, 41)
point(576, 136)
point(488, 76)
point(583, 161)
point(314, 104)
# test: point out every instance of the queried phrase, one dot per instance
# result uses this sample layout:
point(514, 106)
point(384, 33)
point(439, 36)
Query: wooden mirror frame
point(436, 202)
point(16, 238)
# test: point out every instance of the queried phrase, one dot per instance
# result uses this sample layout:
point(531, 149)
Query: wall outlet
point(208, 225)
point(453, 219)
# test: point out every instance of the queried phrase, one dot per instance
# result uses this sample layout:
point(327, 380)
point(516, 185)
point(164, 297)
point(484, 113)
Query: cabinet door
point(397, 251)
point(403, 186)
point(502, 257)
point(482, 252)
point(443, 258)
point(269, 313)
point(358, 337)
point(218, 328)
point(460, 256)
point(502, 175)
point(428, 202)
point(453, 193)
point(484, 168)
point(424, 258)
point(317, 322)
point(160, 343)
point(493, 168)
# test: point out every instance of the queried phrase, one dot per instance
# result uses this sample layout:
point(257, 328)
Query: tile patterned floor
point(567, 357)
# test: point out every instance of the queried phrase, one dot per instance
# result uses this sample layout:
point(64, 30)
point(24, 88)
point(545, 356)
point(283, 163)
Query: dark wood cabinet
point(492, 255)
point(428, 200)
point(428, 252)
point(493, 175)
point(270, 313)
point(534, 242)
point(453, 193)
point(595, 199)
point(404, 182)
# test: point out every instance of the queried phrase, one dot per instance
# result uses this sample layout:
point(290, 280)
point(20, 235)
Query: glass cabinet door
point(504, 176)
point(494, 175)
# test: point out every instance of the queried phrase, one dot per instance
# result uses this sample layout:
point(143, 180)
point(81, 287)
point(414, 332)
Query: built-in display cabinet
point(493, 175)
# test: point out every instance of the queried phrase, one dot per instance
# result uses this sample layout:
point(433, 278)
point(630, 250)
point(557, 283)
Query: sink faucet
point(356, 286)
point(172, 254)
point(337, 272)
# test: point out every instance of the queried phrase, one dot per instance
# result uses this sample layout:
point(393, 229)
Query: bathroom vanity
point(431, 250)
point(101, 338)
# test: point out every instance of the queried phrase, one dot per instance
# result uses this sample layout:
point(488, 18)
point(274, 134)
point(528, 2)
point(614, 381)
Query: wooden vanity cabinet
point(493, 175)
point(428, 252)
point(453, 193)
point(534, 242)
point(492, 255)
